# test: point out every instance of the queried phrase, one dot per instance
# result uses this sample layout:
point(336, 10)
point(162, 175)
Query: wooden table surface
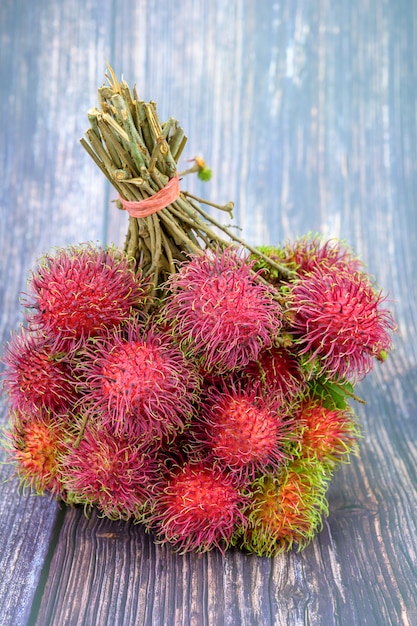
point(306, 112)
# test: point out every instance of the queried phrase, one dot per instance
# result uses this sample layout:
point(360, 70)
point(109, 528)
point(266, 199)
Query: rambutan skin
point(140, 383)
point(242, 431)
point(329, 435)
point(220, 315)
point(285, 509)
point(82, 290)
point(338, 321)
point(307, 253)
point(114, 473)
point(196, 508)
point(277, 372)
point(38, 375)
point(34, 445)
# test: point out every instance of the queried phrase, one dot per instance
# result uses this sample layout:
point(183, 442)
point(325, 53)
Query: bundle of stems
point(139, 155)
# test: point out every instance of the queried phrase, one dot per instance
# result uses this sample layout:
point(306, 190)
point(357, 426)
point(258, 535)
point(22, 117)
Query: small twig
point(228, 207)
point(349, 394)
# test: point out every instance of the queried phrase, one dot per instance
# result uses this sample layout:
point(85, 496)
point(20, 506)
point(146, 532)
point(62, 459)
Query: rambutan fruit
point(113, 473)
point(197, 507)
point(306, 253)
point(278, 372)
point(329, 435)
point(285, 509)
point(38, 375)
point(220, 314)
point(338, 321)
point(242, 431)
point(35, 445)
point(140, 383)
point(82, 290)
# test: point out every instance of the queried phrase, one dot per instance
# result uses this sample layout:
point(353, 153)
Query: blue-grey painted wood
point(50, 63)
point(305, 110)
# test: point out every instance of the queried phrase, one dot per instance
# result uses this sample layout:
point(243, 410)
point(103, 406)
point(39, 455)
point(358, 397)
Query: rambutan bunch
point(216, 415)
point(80, 291)
point(221, 315)
point(182, 382)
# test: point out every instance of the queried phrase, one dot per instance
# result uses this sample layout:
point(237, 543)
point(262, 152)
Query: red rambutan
point(285, 509)
point(197, 508)
point(38, 375)
point(303, 255)
point(82, 290)
point(278, 372)
point(306, 253)
point(338, 321)
point(35, 445)
point(242, 431)
point(220, 314)
point(329, 435)
point(114, 473)
point(140, 384)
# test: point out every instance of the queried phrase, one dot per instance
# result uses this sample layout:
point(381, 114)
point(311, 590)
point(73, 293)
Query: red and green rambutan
point(38, 375)
point(329, 435)
point(285, 509)
point(278, 372)
point(114, 473)
point(243, 431)
point(82, 290)
point(338, 321)
point(305, 254)
point(197, 507)
point(139, 383)
point(308, 252)
point(221, 315)
point(35, 445)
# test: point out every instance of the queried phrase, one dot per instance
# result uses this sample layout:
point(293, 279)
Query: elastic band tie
point(161, 199)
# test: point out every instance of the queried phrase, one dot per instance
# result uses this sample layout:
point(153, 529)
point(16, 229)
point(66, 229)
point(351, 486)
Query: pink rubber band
point(164, 197)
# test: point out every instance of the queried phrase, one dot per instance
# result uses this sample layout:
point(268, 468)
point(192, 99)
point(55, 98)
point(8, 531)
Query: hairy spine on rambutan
point(197, 506)
point(140, 383)
point(81, 291)
point(221, 315)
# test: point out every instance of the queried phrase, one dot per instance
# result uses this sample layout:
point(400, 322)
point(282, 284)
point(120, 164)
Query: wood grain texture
point(306, 113)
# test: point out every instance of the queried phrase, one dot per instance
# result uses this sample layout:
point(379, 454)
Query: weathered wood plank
point(306, 113)
point(50, 195)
